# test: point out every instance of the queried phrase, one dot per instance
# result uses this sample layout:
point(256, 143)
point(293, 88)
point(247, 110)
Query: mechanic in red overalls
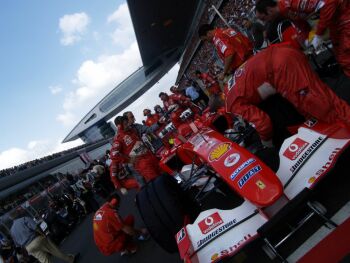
point(128, 148)
point(283, 30)
point(151, 118)
point(334, 14)
point(284, 70)
point(112, 233)
point(211, 84)
point(232, 47)
point(176, 98)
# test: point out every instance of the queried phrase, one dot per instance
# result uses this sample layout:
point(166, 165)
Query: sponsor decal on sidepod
point(328, 164)
point(306, 154)
point(216, 232)
point(295, 149)
point(230, 250)
point(210, 222)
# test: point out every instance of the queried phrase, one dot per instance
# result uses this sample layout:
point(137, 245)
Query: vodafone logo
point(209, 223)
point(295, 149)
point(232, 159)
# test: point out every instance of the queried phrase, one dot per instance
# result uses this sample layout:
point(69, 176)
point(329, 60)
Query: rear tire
point(160, 206)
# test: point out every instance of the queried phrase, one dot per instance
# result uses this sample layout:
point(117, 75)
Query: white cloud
point(73, 27)
point(94, 79)
point(55, 89)
point(67, 118)
point(34, 150)
point(124, 34)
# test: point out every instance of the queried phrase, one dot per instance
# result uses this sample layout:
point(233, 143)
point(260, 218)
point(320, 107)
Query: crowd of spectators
point(204, 58)
point(33, 163)
point(18, 198)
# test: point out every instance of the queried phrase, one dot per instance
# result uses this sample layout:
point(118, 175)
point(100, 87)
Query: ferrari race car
point(226, 190)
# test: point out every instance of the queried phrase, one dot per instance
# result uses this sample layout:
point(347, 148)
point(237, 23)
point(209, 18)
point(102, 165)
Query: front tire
point(160, 206)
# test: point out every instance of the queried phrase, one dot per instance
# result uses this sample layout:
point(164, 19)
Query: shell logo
point(219, 151)
point(312, 180)
point(214, 257)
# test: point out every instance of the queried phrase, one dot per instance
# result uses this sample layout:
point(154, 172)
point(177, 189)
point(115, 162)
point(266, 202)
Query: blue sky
point(58, 59)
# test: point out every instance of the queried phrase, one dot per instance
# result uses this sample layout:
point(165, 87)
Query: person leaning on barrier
point(26, 233)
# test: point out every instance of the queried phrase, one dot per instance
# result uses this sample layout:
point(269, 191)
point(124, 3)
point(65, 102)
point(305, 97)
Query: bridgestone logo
point(218, 231)
point(306, 154)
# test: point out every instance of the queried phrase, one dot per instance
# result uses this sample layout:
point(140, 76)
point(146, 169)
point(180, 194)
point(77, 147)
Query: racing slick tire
point(159, 203)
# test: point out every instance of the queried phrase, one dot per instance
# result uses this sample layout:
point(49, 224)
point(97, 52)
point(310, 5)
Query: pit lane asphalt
point(81, 240)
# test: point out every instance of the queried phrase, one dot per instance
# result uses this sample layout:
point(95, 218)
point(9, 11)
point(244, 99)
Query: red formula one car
point(230, 190)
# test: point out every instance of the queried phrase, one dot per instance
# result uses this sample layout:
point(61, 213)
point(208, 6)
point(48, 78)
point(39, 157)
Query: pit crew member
point(112, 233)
point(334, 14)
point(232, 47)
point(282, 69)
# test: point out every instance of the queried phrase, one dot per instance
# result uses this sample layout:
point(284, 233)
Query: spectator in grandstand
point(113, 234)
point(334, 15)
point(128, 148)
point(254, 31)
point(232, 47)
point(83, 191)
point(108, 158)
point(193, 94)
point(282, 70)
point(151, 118)
point(103, 174)
point(26, 233)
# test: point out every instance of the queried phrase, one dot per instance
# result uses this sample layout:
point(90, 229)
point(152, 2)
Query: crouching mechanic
point(283, 70)
point(112, 233)
point(128, 148)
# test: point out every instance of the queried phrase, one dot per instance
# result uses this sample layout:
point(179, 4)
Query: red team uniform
point(284, 70)
point(230, 42)
point(127, 146)
point(334, 14)
point(210, 83)
point(108, 236)
point(151, 120)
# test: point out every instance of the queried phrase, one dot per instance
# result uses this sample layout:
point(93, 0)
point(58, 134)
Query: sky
point(59, 58)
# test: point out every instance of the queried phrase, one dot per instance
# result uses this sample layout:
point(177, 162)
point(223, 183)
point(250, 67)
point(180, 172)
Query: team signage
point(219, 151)
point(232, 159)
point(242, 167)
point(248, 175)
point(295, 149)
point(210, 222)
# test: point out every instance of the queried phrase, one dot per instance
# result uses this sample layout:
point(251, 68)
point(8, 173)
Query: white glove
point(316, 41)
point(124, 191)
